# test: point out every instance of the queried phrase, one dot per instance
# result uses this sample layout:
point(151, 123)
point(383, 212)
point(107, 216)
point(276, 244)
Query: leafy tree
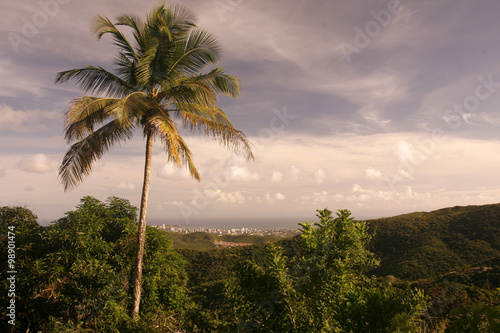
point(337, 253)
point(326, 290)
point(262, 298)
point(76, 274)
point(156, 83)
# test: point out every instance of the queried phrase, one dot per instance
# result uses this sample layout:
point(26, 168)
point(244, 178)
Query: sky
point(379, 107)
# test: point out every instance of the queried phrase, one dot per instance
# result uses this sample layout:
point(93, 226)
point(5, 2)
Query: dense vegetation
point(423, 245)
point(75, 275)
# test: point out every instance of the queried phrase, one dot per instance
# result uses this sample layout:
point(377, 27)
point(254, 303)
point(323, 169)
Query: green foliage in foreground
point(324, 291)
point(75, 276)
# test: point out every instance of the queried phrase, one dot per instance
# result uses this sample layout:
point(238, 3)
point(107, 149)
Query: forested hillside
point(202, 241)
point(422, 245)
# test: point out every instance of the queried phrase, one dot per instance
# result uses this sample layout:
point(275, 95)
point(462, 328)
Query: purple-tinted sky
point(380, 107)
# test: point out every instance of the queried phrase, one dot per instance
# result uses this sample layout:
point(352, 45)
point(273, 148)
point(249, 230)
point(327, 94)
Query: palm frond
point(181, 17)
point(126, 69)
point(96, 80)
point(221, 129)
point(132, 21)
point(102, 25)
point(199, 49)
point(216, 81)
point(84, 114)
point(131, 108)
point(177, 150)
point(177, 20)
point(191, 93)
point(144, 70)
point(81, 156)
point(137, 26)
point(225, 84)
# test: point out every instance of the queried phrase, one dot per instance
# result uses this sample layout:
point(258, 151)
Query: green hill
point(202, 241)
point(421, 245)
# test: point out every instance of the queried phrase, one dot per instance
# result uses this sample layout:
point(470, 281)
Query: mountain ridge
point(421, 244)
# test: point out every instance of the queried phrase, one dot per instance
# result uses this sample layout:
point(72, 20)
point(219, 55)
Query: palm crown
point(157, 82)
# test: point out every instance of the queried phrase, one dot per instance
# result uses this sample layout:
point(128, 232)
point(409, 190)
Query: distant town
point(233, 232)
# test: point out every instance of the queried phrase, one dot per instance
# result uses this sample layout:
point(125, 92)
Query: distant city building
point(233, 231)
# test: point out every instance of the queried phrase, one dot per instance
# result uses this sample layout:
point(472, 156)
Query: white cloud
point(406, 192)
point(269, 198)
point(405, 151)
point(173, 203)
point(372, 174)
point(25, 121)
point(243, 174)
point(377, 88)
point(280, 196)
point(234, 197)
point(296, 172)
point(492, 118)
point(226, 197)
point(316, 197)
point(272, 198)
point(39, 163)
point(374, 118)
point(338, 197)
point(170, 171)
point(319, 176)
point(277, 176)
point(126, 186)
point(20, 85)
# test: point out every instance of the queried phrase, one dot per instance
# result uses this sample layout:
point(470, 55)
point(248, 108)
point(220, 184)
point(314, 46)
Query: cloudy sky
point(380, 107)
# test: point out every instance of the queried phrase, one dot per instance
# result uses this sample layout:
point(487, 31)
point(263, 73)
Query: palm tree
point(157, 87)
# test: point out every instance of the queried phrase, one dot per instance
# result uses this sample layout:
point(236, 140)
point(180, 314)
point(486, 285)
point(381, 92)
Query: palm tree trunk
point(141, 234)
